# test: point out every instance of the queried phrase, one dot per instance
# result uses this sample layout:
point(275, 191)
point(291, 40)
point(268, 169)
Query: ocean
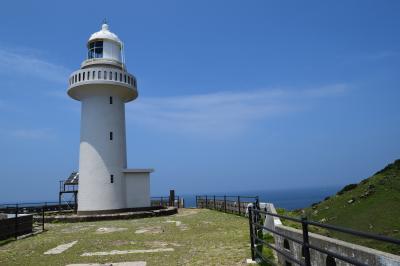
point(289, 199)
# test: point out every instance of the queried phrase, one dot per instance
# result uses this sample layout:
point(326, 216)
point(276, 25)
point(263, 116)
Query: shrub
point(347, 188)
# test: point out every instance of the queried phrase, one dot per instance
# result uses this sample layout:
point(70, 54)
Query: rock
point(351, 201)
point(327, 208)
point(315, 212)
point(106, 230)
point(367, 193)
point(370, 187)
point(371, 226)
point(323, 220)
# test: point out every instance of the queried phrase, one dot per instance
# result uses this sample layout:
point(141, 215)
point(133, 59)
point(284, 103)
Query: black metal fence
point(34, 207)
point(167, 202)
point(258, 242)
point(22, 219)
point(230, 204)
point(28, 218)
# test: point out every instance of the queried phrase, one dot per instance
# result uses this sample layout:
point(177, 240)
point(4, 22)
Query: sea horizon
point(290, 198)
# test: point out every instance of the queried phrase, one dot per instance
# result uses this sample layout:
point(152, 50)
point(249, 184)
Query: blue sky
point(234, 95)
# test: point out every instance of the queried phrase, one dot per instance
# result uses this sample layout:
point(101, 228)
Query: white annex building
point(103, 85)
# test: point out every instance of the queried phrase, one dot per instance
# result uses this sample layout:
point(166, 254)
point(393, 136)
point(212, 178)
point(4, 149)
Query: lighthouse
point(103, 86)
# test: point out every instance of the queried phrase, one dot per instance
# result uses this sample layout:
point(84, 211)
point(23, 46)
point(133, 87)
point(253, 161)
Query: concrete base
point(136, 209)
point(128, 263)
point(111, 216)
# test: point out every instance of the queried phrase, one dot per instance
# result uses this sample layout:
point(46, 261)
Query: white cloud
point(26, 62)
point(224, 113)
point(326, 91)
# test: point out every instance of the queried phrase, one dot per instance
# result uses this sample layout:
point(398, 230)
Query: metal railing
point(33, 207)
point(65, 187)
point(257, 242)
point(229, 204)
point(23, 219)
point(166, 202)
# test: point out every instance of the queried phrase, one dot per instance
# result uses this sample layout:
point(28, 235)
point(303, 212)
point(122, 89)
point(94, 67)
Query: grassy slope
point(378, 212)
point(204, 238)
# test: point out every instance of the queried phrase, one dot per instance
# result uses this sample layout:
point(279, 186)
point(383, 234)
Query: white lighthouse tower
point(103, 85)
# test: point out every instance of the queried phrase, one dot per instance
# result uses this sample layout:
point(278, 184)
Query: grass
point(265, 251)
point(204, 237)
point(373, 206)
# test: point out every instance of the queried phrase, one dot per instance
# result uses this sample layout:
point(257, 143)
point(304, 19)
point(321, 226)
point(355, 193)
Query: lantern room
point(104, 46)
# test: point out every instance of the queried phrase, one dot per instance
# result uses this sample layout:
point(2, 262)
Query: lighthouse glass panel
point(95, 50)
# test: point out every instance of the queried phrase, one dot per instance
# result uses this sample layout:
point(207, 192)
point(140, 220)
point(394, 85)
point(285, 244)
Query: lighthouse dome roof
point(104, 34)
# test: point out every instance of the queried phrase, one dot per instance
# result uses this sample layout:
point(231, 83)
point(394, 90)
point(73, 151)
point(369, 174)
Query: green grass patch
point(204, 237)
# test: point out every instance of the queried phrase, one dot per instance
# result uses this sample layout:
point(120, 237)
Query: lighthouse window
point(99, 75)
point(111, 179)
point(110, 77)
point(95, 50)
point(115, 77)
point(111, 99)
point(83, 78)
point(125, 78)
point(88, 75)
point(111, 135)
point(120, 77)
point(129, 80)
point(94, 73)
point(105, 74)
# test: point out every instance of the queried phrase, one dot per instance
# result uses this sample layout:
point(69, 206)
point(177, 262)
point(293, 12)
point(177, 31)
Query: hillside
point(373, 205)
